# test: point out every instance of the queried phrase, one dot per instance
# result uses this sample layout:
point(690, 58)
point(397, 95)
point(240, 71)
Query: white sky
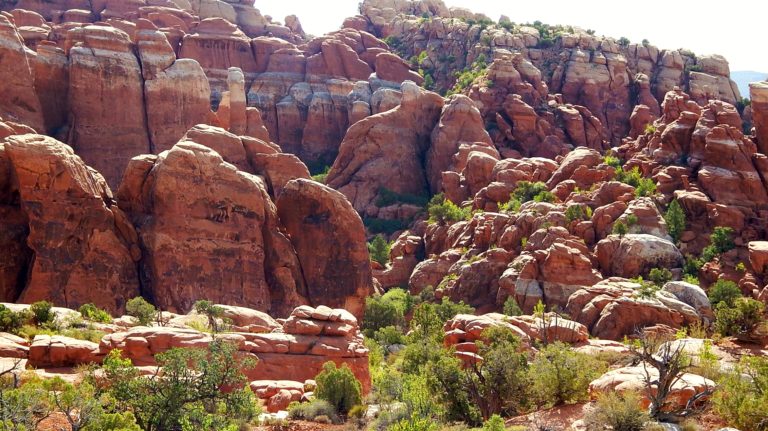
point(736, 29)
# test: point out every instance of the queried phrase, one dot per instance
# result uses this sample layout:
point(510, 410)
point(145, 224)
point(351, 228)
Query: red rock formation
point(204, 228)
point(19, 102)
point(338, 273)
point(103, 70)
point(373, 147)
point(759, 97)
point(84, 248)
point(613, 309)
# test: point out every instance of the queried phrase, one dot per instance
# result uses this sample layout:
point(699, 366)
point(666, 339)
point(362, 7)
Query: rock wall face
point(170, 64)
point(339, 271)
point(198, 221)
point(201, 223)
point(81, 248)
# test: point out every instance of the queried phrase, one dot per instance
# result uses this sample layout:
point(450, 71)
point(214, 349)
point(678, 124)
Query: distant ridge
point(744, 77)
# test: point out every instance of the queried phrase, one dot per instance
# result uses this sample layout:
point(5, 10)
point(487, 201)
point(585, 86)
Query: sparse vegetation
point(339, 387)
point(94, 313)
point(743, 395)
point(379, 249)
point(142, 310)
point(675, 219)
point(442, 210)
point(620, 412)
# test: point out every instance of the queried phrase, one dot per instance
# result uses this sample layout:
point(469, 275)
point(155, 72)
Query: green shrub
point(339, 387)
point(511, 308)
point(620, 412)
point(675, 219)
point(378, 225)
point(94, 313)
point(414, 424)
point(623, 41)
point(722, 239)
point(312, 410)
point(495, 423)
point(142, 310)
point(611, 160)
point(545, 196)
point(379, 249)
point(388, 197)
point(124, 421)
point(322, 176)
point(12, 321)
point(448, 309)
point(380, 313)
point(526, 191)
point(631, 177)
point(561, 376)
point(442, 210)
point(724, 291)
point(575, 212)
point(386, 310)
point(742, 397)
point(619, 228)
point(646, 187)
point(510, 206)
point(43, 313)
point(692, 265)
point(741, 319)
point(660, 276)
point(389, 336)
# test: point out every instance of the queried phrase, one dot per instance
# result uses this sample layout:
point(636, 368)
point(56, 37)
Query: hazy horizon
point(711, 30)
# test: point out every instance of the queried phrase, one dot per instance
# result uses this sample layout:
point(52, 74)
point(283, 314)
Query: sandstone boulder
point(636, 254)
point(339, 272)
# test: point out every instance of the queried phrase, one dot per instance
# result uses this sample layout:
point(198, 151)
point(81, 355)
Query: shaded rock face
point(386, 151)
point(191, 225)
point(202, 239)
point(80, 247)
point(17, 63)
point(329, 239)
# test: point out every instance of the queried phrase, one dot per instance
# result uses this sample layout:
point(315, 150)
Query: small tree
point(378, 248)
point(79, 404)
point(670, 363)
point(511, 308)
point(142, 310)
point(619, 228)
point(724, 291)
point(188, 388)
point(495, 384)
point(43, 313)
point(675, 219)
point(11, 321)
point(339, 387)
point(213, 312)
point(561, 376)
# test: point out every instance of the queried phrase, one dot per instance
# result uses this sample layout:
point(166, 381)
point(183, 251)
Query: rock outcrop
point(74, 244)
point(338, 272)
